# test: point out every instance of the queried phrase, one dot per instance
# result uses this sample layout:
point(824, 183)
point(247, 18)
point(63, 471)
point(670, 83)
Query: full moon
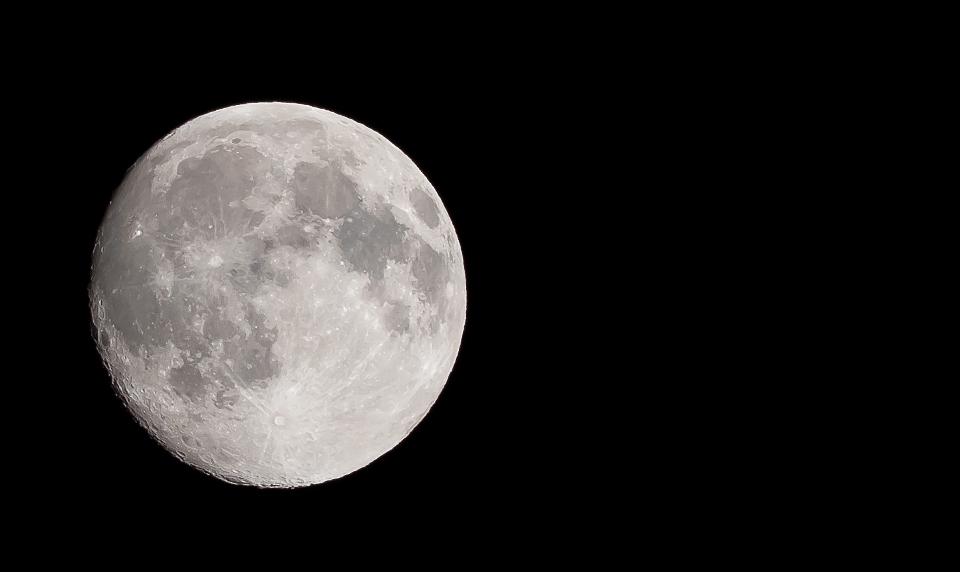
point(278, 294)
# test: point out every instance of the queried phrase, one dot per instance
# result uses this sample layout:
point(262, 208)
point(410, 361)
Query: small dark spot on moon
point(398, 318)
point(245, 281)
point(295, 236)
point(251, 248)
point(263, 270)
point(224, 401)
point(235, 140)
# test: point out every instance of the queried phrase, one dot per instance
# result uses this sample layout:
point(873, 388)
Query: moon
point(278, 294)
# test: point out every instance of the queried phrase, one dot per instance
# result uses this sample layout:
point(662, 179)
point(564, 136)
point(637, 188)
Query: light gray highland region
point(278, 294)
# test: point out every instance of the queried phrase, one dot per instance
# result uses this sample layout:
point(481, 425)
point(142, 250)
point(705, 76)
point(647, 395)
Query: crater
point(425, 208)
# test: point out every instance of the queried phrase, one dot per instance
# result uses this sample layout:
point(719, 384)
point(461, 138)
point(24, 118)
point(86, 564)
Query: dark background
point(493, 445)
point(617, 185)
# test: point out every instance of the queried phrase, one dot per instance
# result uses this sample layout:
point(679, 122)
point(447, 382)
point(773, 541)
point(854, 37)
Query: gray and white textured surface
point(278, 293)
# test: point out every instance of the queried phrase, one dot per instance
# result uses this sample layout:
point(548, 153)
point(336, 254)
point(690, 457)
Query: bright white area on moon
point(278, 294)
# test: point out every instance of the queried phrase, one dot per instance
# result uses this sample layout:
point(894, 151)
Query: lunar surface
point(278, 294)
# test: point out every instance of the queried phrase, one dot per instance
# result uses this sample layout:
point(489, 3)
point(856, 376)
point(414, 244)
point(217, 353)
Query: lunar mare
point(278, 294)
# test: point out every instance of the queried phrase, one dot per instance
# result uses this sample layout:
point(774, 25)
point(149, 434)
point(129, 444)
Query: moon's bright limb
point(278, 293)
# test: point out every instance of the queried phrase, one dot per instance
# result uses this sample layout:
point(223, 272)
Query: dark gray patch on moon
point(129, 300)
point(224, 400)
point(188, 382)
point(216, 327)
point(398, 318)
point(219, 132)
point(425, 208)
point(430, 270)
point(254, 363)
point(294, 236)
point(302, 126)
point(369, 239)
point(278, 129)
point(351, 159)
point(251, 248)
point(244, 281)
point(432, 273)
point(206, 193)
point(143, 318)
point(264, 335)
point(192, 343)
point(324, 191)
